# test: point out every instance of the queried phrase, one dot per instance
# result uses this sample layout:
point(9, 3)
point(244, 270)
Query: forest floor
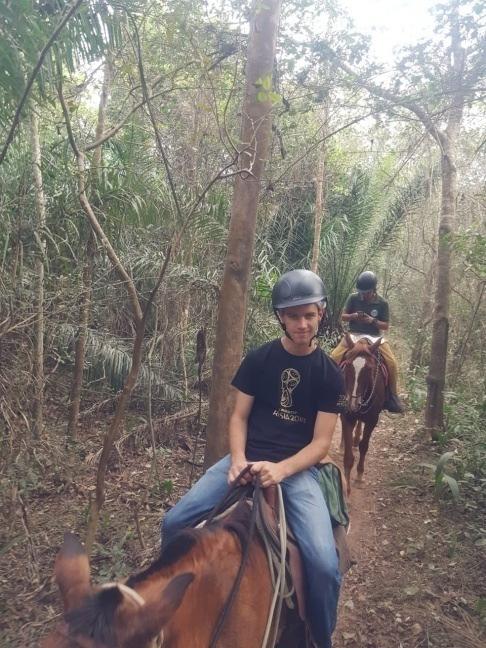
point(420, 573)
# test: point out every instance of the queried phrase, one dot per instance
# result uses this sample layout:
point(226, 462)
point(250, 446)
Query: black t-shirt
point(289, 390)
point(377, 308)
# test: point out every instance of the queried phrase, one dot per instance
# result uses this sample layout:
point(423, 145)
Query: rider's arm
point(383, 326)
point(349, 313)
point(272, 473)
point(238, 426)
point(316, 450)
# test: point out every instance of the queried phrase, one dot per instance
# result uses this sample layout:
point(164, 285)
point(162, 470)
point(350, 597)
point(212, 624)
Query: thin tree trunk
point(88, 269)
point(434, 409)
point(96, 504)
point(40, 202)
point(320, 197)
point(255, 136)
point(139, 318)
point(446, 140)
point(82, 334)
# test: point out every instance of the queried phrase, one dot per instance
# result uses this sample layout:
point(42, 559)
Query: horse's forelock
point(95, 618)
point(361, 348)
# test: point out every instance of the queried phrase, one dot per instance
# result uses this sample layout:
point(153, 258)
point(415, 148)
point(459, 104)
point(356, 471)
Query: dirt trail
point(419, 580)
point(417, 577)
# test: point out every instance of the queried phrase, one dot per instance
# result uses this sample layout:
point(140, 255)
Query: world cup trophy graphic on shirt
point(290, 379)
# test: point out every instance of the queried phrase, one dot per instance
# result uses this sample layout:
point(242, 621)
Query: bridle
point(365, 406)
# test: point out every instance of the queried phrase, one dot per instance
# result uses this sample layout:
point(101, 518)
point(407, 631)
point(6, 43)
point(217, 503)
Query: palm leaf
point(108, 358)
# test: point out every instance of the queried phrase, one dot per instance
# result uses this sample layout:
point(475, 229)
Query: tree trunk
point(97, 503)
point(434, 409)
point(320, 197)
point(87, 278)
point(82, 334)
point(40, 202)
point(255, 136)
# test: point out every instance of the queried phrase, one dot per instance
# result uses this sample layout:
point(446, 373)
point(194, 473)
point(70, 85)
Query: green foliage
point(416, 389)
point(442, 480)
point(109, 359)
point(471, 245)
point(25, 28)
point(465, 425)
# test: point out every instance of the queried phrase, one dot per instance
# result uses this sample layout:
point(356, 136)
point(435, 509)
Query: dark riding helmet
point(366, 281)
point(297, 288)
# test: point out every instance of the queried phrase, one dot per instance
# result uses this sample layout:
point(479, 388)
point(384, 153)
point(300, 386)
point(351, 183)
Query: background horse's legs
point(347, 427)
point(363, 445)
point(357, 433)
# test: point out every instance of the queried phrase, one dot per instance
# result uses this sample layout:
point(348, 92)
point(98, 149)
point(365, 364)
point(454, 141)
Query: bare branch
point(393, 98)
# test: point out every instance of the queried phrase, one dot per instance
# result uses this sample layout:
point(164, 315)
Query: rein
point(369, 400)
point(245, 554)
point(276, 549)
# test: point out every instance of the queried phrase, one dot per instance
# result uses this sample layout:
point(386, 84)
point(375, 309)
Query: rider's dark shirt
point(378, 308)
point(289, 390)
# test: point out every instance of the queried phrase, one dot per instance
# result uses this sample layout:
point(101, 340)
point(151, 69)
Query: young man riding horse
point(367, 313)
point(287, 394)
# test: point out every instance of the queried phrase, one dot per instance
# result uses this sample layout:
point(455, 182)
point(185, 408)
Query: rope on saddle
point(276, 548)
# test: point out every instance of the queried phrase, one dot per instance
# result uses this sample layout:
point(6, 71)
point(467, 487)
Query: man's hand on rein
point(270, 473)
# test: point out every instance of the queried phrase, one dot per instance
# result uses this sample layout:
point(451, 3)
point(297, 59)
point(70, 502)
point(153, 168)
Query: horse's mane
point(95, 617)
point(183, 542)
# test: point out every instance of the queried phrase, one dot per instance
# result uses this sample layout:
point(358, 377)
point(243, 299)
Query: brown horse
point(178, 601)
point(365, 396)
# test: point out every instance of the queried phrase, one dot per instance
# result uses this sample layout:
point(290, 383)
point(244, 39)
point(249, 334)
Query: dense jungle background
point(160, 166)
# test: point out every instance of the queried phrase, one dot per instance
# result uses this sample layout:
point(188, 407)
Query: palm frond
point(108, 358)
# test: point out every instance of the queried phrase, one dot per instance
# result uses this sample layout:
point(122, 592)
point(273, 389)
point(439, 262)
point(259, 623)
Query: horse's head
point(114, 616)
point(359, 366)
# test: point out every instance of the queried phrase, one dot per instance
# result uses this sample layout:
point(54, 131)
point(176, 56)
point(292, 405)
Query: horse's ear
point(144, 624)
point(71, 572)
point(376, 345)
point(348, 340)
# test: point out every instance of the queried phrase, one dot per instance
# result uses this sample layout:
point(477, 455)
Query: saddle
point(331, 482)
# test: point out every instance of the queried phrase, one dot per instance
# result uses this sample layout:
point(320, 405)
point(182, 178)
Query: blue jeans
point(309, 520)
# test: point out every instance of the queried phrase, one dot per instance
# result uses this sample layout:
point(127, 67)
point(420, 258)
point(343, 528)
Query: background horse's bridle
point(369, 399)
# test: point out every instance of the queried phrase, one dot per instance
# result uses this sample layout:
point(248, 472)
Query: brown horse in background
point(178, 601)
point(365, 397)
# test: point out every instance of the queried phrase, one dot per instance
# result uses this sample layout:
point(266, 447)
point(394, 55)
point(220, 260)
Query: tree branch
point(158, 139)
point(392, 98)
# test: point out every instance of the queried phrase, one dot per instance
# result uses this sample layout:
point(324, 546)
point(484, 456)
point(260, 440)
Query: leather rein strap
point(244, 558)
